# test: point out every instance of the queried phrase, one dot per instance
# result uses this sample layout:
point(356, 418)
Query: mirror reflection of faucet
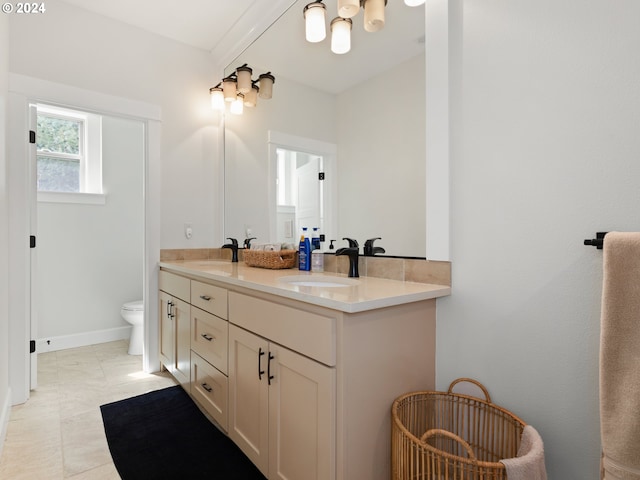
point(370, 250)
point(352, 251)
point(234, 248)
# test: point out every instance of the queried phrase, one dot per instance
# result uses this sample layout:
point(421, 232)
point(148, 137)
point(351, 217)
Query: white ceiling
point(199, 23)
point(218, 25)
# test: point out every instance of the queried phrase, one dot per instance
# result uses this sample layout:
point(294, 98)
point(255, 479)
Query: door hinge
point(32, 136)
point(320, 175)
point(32, 346)
point(32, 241)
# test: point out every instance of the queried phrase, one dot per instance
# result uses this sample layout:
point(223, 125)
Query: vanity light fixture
point(341, 35)
point(217, 97)
point(251, 97)
point(348, 8)
point(266, 85)
point(314, 22)
point(239, 90)
point(229, 88)
point(237, 106)
point(244, 78)
point(373, 14)
point(374, 18)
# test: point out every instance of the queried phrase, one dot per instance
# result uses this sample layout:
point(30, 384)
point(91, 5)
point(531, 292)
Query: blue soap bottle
point(304, 252)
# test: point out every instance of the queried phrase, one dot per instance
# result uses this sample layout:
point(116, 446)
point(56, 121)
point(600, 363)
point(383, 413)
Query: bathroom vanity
point(299, 370)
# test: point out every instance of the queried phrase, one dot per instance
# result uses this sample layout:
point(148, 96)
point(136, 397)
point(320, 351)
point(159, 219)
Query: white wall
point(381, 160)
point(545, 122)
point(90, 256)
point(71, 46)
point(5, 400)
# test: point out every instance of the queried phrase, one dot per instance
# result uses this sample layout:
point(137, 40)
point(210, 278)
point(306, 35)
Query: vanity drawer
point(209, 298)
point(174, 285)
point(308, 333)
point(210, 388)
point(209, 338)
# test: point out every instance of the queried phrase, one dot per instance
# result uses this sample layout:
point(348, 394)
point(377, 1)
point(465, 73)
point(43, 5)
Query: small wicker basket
point(268, 259)
point(449, 436)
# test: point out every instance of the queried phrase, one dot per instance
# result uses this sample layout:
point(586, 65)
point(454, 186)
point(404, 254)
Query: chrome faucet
point(352, 251)
point(370, 250)
point(234, 248)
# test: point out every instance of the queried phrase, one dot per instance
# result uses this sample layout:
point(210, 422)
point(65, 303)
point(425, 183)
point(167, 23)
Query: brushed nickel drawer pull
point(207, 337)
point(207, 387)
point(205, 297)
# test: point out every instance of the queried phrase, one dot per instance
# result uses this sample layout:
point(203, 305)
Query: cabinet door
point(301, 417)
point(182, 324)
point(248, 395)
point(167, 336)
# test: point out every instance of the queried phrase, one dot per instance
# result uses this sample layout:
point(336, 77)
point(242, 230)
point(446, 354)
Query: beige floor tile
point(84, 444)
point(81, 397)
point(103, 472)
point(32, 448)
point(42, 402)
point(58, 433)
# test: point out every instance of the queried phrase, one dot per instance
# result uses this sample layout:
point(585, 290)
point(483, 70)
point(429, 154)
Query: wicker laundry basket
point(450, 436)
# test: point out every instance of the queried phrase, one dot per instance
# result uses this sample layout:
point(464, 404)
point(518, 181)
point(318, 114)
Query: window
point(69, 157)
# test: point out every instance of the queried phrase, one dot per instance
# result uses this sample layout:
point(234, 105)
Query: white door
point(33, 227)
point(309, 203)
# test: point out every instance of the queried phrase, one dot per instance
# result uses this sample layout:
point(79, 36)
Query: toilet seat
point(136, 306)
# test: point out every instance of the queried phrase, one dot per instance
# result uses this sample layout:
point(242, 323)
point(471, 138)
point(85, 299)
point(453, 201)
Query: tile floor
point(58, 433)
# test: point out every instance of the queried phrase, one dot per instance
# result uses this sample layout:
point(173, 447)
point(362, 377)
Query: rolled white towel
point(529, 462)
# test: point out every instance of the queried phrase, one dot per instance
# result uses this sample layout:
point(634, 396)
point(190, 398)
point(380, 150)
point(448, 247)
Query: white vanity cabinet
point(175, 326)
point(305, 388)
point(281, 408)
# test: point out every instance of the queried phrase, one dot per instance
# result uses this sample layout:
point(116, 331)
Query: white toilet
point(133, 312)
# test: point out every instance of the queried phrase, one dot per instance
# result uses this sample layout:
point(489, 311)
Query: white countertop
point(368, 293)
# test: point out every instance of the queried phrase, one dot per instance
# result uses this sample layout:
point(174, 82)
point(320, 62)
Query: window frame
point(89, 156)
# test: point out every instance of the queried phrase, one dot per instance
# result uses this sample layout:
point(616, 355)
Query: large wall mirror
point(361, 115)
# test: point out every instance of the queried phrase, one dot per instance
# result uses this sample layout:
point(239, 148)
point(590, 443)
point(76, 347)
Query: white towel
point(529, 462)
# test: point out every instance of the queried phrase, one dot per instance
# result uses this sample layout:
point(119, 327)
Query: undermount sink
point(318, 281)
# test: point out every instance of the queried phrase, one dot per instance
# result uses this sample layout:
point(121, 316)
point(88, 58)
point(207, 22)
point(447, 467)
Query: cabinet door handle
point(170, 305)
point(260, 371)
point(269, 376)
point(207, 337)
point(207, 387)
point(205, 297)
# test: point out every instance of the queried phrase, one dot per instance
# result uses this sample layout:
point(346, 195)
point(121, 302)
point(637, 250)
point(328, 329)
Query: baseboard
point(52, 344)
point(4, 418)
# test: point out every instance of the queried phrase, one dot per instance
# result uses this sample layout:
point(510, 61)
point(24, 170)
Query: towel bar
point(596, 242)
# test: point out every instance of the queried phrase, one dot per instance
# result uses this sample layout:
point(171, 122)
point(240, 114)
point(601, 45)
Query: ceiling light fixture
point(373, 14)
point(239, 90)
point(341, 35)
point(374, 18)
point(314, 22)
